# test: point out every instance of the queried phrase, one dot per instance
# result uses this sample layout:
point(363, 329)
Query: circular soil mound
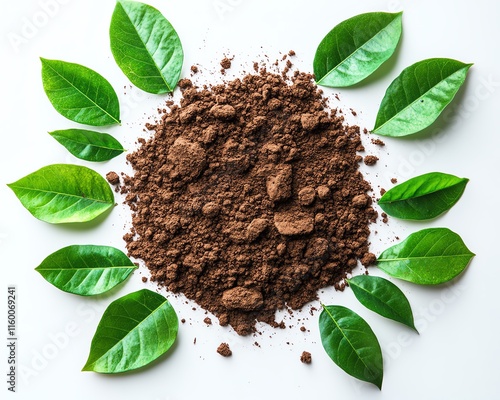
point(248, 198)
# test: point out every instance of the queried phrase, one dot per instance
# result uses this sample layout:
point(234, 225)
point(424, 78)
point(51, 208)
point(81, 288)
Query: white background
point(456, 354)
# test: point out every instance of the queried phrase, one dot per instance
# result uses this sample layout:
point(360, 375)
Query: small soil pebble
point(279, 183)
point(240, 298)
point(323, 192)
point(305, 357)
point(225, 63)
point(144, 279)
point(307, 196)
point(394, 180)
point(207, 321)
point(371, 160)
point(378, 142)
point(113, 178)
point(224, 350)
point(292, 224)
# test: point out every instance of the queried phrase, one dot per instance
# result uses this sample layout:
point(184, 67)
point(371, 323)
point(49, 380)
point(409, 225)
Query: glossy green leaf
point(416, 98)
point(356, 47)
point(383, 297)
point(351, 344)
point(135, 330)
point(89, 145)
point(146, 47)
point(423, 197)
point(86, 270)
point(63, 193)
point(79, 93)
point(427, 257)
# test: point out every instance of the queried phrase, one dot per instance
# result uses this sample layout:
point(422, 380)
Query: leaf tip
point(87, 367)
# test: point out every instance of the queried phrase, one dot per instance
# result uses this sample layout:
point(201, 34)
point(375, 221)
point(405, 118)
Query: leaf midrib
point(86, 268)
point(346, 338)
point(61, 194)
point(83, 94)
point(354, 52)
point(418, 99)
point(378, 299)
point(146, 49)
point(128, 333)
point(422, 257)
point(421, 195)
point(88, 144)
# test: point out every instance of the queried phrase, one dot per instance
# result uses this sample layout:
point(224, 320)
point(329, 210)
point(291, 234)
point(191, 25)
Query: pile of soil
point(247, 198)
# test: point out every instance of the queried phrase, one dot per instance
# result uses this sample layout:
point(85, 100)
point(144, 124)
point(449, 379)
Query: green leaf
point(89, 145)
point(356, 47)
point(427, 257)
point(383, 297)
point(135, 330)
point(351, 344)
point(86, 270)
point(79, 93)
point(423, 197)
point(63, 193)
point(146, 47)
point(416, 98)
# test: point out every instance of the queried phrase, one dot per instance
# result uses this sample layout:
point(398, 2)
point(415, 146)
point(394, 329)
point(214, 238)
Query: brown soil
point(224, 350)
point(248, 197)
point(306, 357)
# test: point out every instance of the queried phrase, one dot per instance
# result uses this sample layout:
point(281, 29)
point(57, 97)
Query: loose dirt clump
point(248, 199)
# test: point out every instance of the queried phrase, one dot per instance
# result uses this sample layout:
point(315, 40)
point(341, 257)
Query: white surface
point(456, 354)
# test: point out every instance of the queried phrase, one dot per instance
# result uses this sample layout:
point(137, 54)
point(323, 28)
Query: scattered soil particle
point(225, 63)
point(371, 160)
point(247, 198)
point(144, 279)
point(385, 218)
point(194, 69)
point(378, 142)
point(305, 357)
point(207, 321)
point(394, 180)
point(224, 350)
point(113, 178)
point(303, 329)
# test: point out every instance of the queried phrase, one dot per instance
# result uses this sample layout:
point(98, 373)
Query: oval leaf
point(427, 257)
point(423, 197)
point(63, 193)
point(351, 344)
point(356, 47)
point(146, 47)
point(135, 330)
point(86, 270)
point(89, 145)
point(79, 93)
point(416, 98)
point(383, 297)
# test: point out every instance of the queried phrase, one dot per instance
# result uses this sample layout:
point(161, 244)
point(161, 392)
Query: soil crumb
point(306, 357)
point(224, 350)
